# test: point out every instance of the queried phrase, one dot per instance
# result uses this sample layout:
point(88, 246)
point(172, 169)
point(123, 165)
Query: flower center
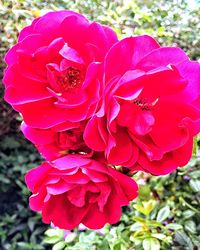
point(67, 140)
point(69, 79)
point(71, 139)
point(144, 105)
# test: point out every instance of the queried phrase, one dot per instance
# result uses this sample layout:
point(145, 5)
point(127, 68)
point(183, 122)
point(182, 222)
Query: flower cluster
point(93, 105)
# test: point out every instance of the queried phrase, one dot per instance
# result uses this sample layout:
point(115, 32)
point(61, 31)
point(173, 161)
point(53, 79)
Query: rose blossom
point(53, 143)
point(53, 70)
point(151, 106)
point(73, 190)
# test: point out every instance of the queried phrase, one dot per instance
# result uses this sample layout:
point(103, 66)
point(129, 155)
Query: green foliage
point(19, 227)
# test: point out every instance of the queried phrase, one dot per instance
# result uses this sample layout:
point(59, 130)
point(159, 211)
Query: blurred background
point(166, 215)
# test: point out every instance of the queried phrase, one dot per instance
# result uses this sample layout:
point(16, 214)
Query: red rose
point(53, 143)
point(53, 70)
point(74, 190)
point(151, 106)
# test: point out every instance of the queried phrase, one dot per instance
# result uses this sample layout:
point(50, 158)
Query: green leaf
point(144, 192)
point(52, 240)
point(183, 240)
point(23, 245)
point(139, 208)
point(195, 146)
point(54, 232)
point(151, 244)
point(31, 224)
point(104, 245)
point(141, 235)
point(136, 227)
point(117, 245)
point(190, 226)
point(59, 246)
point(146, 207)
point(139, 219)
point(195, 174)
point(196, 240)
point(188, 214)
point(174, 226)
point(153, 223)
point(195, 185)
point(50, 232)
point(159, 236)
point(163, 214)
point(70, 237)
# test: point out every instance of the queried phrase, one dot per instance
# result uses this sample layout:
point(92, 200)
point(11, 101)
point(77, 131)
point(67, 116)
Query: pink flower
point(56, 142)
point(73, 190)
point(150, 112)
point(53, 70)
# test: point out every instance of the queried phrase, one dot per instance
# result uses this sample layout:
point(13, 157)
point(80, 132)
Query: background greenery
point(166, 215)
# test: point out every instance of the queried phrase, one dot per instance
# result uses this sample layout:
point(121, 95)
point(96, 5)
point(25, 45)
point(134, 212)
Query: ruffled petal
point(133, 49)
point(160, 57)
